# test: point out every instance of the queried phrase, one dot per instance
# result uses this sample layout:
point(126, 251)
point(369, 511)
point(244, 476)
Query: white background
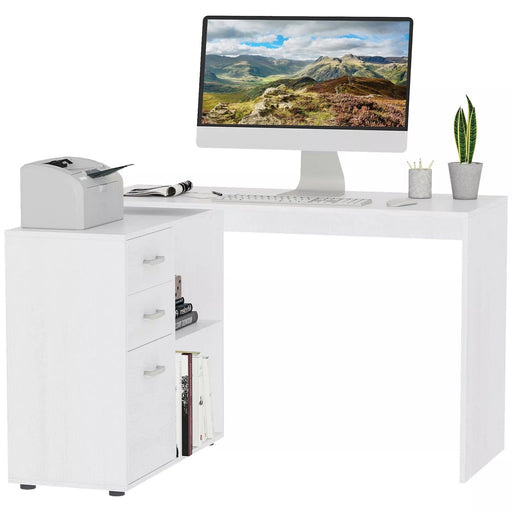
point(347, 399)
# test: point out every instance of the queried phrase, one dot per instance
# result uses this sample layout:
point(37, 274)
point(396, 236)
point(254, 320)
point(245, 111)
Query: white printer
point(70, 193)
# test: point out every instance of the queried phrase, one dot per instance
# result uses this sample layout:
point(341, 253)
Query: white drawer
point(150, 315)
point(150, 407)
point(149, 260)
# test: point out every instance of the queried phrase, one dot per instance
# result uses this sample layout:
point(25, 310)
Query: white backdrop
point(348, 398)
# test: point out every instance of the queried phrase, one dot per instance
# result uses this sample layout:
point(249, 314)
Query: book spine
point(179, 406)
point(188, 319)
point(190, 406)
point(196, 400)
point(177, 287)
point(179, 302)
point(183, 310)
point(208, 399)
point(186, 410)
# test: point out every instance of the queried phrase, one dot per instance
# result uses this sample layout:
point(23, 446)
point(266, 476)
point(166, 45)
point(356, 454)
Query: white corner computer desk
point(481, 225)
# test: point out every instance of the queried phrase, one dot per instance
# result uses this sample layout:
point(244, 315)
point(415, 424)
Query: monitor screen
point(339, 73)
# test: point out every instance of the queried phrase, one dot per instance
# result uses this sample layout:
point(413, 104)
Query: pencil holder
point(420, 183)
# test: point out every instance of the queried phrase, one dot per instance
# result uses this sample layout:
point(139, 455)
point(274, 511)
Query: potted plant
point(465, 174)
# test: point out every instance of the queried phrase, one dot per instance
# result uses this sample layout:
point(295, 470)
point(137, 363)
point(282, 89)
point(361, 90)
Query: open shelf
point(193, 329)
point(208, 442)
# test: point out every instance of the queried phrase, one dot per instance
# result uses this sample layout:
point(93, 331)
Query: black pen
point(216, 193)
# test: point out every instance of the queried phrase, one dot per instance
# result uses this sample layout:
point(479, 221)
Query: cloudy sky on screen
point(307, 39)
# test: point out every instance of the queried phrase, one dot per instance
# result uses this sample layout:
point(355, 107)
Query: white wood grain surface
point(66, 361)
point(480, 224)
point(82, 412)
point(484, 282)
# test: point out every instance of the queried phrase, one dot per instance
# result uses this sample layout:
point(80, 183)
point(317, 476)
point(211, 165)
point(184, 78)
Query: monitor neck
point(320, 174)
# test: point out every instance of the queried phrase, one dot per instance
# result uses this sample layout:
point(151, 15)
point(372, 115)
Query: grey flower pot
point(420, 183)
point(465, 179)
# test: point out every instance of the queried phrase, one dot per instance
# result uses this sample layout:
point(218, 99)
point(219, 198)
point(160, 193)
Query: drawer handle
point(157, 371)
point(155, 261)
point(159, 313)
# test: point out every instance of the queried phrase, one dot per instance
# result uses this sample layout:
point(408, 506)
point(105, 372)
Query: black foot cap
point(27, 487)
point(115, 493)
point(212, 444)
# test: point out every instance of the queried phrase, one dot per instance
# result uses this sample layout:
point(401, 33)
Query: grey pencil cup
point(420, 183)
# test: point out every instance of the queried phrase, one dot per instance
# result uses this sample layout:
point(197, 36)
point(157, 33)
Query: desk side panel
point(66, 361)
point(484, 278)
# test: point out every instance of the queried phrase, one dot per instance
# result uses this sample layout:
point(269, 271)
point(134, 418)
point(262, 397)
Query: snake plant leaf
point(455, 127)
point(471, 132)
point(470, 105)
point(459, 129)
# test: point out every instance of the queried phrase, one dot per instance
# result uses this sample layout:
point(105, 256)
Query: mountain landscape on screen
point(257, 75)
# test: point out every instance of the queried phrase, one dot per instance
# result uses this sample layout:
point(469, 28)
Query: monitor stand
point(320, 174)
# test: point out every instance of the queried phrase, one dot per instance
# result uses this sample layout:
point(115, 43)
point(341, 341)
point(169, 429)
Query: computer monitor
point(319, 85)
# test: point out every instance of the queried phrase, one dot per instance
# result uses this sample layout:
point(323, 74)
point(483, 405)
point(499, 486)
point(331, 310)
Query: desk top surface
point(439, 204)
point(135, 223)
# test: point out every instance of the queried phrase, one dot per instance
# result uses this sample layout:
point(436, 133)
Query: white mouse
point(401, 202)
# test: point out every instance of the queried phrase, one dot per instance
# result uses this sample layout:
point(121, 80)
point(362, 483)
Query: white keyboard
point(302, 200)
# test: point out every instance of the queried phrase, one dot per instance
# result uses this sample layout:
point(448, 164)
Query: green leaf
point(459, 129)
point(471, 132)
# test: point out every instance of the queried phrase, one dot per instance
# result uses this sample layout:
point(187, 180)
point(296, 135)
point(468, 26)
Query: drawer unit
point(150, 407)
point(91, 346)
point(150, 315)
point(149, 261)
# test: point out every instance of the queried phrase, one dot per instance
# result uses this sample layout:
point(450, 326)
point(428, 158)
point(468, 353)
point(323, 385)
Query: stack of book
point(194, 411)
point(185, 314)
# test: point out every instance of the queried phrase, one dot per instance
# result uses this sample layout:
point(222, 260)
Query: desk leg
point(484, 277)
